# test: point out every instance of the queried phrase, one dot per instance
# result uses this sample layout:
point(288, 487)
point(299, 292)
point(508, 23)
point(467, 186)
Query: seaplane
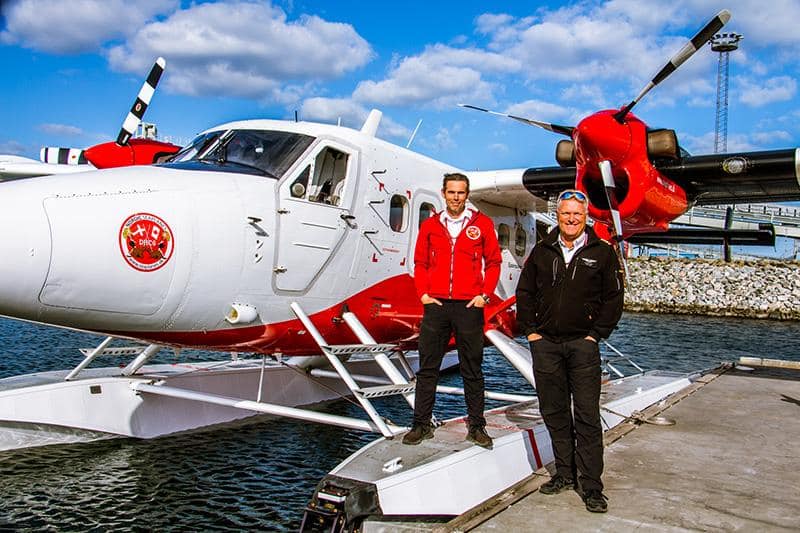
point(293, 241)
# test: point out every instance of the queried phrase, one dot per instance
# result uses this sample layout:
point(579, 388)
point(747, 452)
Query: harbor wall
point(753, 289)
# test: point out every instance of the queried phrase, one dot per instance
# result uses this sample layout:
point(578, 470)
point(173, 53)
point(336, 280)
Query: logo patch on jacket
point(589, 262)
point(473, 232)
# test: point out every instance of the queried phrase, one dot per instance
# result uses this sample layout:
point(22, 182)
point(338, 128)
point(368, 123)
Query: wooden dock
point(731, 462)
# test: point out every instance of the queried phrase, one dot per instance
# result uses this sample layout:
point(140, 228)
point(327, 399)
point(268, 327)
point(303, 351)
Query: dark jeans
point(567, 378)
point(439, 322)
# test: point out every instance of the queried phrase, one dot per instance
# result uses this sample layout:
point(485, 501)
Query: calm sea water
point(262, 475)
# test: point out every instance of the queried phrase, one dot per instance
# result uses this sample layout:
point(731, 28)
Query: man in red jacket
point(456, 269)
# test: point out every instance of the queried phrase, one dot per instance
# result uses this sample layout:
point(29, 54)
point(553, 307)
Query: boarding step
point(352, 349)
point(122, 350)
point(385, 390)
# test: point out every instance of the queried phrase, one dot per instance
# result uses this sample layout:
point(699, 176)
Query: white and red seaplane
point(293, 241)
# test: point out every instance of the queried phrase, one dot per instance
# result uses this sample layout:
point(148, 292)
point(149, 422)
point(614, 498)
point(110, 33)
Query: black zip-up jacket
point(561, 302)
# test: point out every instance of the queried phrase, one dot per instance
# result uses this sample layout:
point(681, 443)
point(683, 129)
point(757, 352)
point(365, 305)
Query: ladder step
point(385, 390)
point(350, 349)
point(122, 350)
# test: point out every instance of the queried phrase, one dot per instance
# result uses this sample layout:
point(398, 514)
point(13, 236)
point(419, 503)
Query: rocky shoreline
point(751, 289)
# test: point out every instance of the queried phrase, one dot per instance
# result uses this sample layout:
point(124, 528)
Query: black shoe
point(557, 485)
point(595, 501)
point(418, 433)
point(479, 436)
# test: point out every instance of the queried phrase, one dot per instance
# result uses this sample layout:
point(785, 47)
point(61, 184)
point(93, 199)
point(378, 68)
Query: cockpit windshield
point(267, 153)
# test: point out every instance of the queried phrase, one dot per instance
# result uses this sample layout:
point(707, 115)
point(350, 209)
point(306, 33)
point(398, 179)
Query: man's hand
point(590, 339)
point(534, 337)
point(429, 300)
point(477, 301)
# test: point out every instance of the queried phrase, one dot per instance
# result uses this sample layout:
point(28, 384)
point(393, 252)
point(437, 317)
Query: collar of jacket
point(472, 214)
point(551, 239)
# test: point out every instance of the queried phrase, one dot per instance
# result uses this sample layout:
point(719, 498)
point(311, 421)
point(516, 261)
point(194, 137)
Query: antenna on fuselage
point(370, 126)
point(413, 134)
point(295, 115)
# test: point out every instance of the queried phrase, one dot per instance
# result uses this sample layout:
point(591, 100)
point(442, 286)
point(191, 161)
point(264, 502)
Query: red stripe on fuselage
point(389, 310)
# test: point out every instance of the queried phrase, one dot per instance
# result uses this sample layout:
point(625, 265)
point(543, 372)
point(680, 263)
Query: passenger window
point(426, 211)
point(398, 213)
point(330, 169)
point(503, 235)
point(520, 241)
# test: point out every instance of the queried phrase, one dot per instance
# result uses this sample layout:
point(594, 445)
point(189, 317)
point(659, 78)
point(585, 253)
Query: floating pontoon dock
point(730, 463)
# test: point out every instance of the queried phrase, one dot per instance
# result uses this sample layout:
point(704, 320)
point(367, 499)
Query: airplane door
point(313, 214)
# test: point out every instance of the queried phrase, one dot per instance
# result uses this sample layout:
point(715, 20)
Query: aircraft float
point(294, 241)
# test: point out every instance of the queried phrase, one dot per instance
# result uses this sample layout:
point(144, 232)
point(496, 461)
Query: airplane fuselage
point(211, 253)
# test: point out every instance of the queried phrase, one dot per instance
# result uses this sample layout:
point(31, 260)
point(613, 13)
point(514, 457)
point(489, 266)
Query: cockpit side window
point(260, 152)
point(196, 147)
point(328, 181)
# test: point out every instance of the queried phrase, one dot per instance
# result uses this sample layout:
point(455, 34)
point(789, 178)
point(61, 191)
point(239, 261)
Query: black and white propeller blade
point(142, 101)
point(697, 42)
point(610, 187)
point(555, 128)
point(62, 156)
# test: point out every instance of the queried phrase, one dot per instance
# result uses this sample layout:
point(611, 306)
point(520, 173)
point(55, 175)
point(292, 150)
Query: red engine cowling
point(647, 199)
point(135, 152)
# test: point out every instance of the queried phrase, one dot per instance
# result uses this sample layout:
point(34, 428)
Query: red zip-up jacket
point(461, 271)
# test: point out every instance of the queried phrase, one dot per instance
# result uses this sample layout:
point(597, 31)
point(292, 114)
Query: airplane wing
point(744, 177)
point(527, 189)
point(15, 167)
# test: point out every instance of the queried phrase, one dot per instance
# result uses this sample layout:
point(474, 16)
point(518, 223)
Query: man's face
point(455, 196)
point(571, 219)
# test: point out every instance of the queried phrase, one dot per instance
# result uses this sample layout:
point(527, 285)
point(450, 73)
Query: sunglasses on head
point(570, 194)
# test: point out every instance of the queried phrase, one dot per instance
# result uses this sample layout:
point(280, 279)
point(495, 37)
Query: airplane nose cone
point(24, 247)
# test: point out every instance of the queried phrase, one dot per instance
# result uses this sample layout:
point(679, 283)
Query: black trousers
point(567, 378)
point(439, 322)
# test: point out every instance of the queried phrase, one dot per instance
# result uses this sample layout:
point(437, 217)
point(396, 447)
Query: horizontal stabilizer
point(763, 236)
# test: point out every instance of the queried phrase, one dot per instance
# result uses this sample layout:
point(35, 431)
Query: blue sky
point(72, 69)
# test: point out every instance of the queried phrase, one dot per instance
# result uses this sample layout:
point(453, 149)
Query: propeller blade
point(140, 104)
point(610, 190)
point(62, 156)
point(697, 42)
point(555, 128)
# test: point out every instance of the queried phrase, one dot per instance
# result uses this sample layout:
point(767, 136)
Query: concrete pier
point(731, 462)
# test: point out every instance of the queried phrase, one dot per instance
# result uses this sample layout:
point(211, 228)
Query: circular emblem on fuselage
point(146, 242)
point(473, 232)
point(734, 165)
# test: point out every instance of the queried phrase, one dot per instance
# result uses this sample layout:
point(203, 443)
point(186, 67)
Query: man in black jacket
point(570, 296)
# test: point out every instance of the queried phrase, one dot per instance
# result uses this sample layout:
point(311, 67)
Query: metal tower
point(724, 43)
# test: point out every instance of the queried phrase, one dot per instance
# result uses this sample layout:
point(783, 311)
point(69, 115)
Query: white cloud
point(350, 113)
point(769, 138)
point(499, 148)
point(12, 147)
point(760, 93)
point(75, 26)
point(244, 49)
point(539, 110)
point(61, 129)
point(440, 76)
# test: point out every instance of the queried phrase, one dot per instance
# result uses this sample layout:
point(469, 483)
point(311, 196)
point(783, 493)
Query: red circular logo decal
point(473, 232)
point(146, 242)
